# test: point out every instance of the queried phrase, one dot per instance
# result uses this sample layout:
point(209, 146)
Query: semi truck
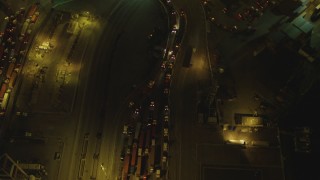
point(137, 130)
point(151, 158)
point(34, 17)
point(147, 144)
point(25, 27)
point(4, 102)
point(133, 157)
point(141, 142)
point(3, 90)
point(32, 9)
point(10, 70)
point(139, 164)
point(125, 168)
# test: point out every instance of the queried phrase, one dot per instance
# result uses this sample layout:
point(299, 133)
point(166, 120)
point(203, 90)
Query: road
point(120, 61)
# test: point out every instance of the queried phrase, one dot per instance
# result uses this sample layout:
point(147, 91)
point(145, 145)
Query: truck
point(4, 102)
point(187, 56)
point(147, 144)
point(32, 9)
point(25, 27)
point(141, 142)
point(137, 130)
point(3, 90)
point(133, 157)
point(125, 168)
point(151, 159)
point(158, 173)
point(34, 17)
point(10, 70)
point(139, 164)
point(4, 25)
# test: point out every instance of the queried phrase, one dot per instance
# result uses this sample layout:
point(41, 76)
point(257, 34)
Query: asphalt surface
point(108, 60)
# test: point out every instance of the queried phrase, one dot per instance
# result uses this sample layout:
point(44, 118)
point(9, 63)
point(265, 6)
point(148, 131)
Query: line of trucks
point(144, 156)
point(7, 86)
point(10, 69)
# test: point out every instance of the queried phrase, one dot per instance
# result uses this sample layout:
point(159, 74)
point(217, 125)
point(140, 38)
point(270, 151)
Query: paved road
point(120, 61)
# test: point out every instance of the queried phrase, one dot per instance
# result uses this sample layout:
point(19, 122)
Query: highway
point(120, 61)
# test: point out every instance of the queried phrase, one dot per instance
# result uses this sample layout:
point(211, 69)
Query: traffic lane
point(84, 64)
point(101, 73)
point(182, 102)
point(188, 114)
point(196, 27)
point(195, 34)
point(91, 117)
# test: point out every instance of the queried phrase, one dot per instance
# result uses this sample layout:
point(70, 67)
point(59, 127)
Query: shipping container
point(141, 143)
point(4, 102)
point(3, 90)
point(32, 9)
point(125, 168)
point(147, 143)
point(139, 164)
point(25, 27)
point(13, 79)
point(151, 159)
point(137, 130)
point(10, 70)
point(133, 157)
point(34, 18)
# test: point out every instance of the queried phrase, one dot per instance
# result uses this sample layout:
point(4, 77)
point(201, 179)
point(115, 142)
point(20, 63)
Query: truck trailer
point(4, 102)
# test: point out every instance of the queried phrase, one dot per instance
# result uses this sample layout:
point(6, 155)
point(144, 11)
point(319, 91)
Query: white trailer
point(4, 102)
